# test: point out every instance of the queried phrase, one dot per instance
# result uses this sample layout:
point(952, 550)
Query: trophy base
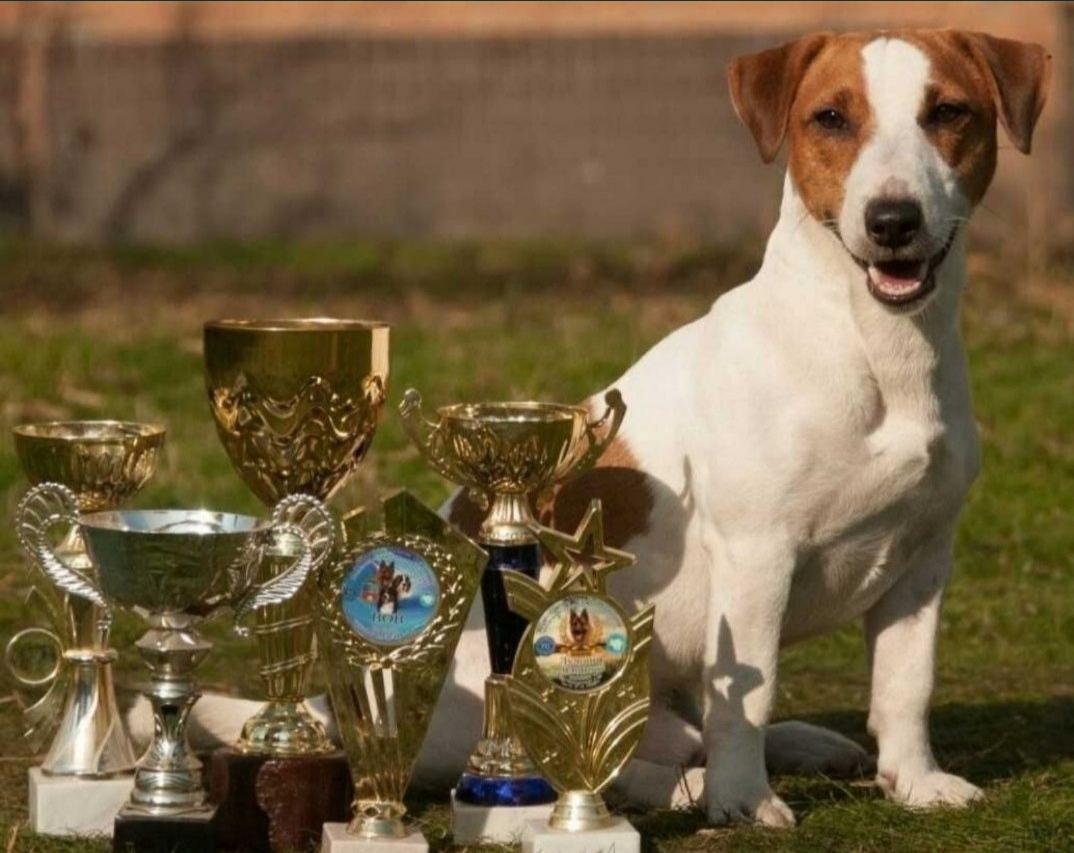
point(509, 791)
point(494, 824)
point(336, 839)
point(68, 805)
point(184, 833)
point(539, 837)
point(269, 805)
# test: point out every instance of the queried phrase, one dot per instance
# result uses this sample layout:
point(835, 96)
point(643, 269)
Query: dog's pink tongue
point(898, 277)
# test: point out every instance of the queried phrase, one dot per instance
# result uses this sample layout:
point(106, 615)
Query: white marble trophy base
point(620, 837)
point(69, 805)
point(495, 824)
point(336, 839)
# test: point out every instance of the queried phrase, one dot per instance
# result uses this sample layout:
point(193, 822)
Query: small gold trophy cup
point(578, 697)
point(392, 610)
point(173, 568)
point(506, 453)
point(104, 463)
point(296, 404)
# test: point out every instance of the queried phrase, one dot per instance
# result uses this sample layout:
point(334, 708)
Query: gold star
point(582, 561)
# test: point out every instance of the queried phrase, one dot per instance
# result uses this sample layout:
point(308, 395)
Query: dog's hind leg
point(793, 747)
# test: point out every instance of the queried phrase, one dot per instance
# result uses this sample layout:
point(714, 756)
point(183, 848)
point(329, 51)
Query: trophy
point(296, 404)
point(173, 568)
point(578, 696)
point(392, 609)
point(63, 672)
point(505, 454)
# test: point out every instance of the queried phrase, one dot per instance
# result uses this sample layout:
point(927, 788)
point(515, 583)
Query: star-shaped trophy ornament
point(578, 695)
point(582, 561)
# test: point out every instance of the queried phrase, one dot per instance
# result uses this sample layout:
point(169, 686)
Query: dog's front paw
point(726, 805)
point(928, 789)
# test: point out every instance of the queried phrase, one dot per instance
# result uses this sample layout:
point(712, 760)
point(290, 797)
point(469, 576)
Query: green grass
point(117, 334)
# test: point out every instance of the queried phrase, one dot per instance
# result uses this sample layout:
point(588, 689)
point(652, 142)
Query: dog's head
point(579, 626)
point(892, 137)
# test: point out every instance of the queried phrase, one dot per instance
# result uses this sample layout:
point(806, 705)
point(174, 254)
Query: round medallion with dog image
point(389, 595)
point(581, 642)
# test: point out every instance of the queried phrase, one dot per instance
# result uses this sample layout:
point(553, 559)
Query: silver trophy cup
point(175, 568)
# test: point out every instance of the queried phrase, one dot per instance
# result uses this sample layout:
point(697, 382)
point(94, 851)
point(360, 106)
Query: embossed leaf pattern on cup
point(309, 442)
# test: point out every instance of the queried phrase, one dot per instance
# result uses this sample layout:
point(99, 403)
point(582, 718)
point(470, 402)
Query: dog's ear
point(763, 86)
point(1018, 74)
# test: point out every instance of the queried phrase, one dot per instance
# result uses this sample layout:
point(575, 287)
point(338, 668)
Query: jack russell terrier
point(798, 457)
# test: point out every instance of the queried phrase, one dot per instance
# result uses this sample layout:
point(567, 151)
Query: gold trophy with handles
point(505, 454)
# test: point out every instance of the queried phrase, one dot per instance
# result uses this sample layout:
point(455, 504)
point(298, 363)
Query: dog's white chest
point(892, 496)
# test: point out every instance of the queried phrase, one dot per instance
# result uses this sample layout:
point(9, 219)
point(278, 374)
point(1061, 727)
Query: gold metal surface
point(506, 452)
point(383, 693)
point(579, 738)
point(103, 463)
point(296, 404)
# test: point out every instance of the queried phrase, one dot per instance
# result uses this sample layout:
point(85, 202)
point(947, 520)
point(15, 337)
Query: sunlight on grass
point(499, 321)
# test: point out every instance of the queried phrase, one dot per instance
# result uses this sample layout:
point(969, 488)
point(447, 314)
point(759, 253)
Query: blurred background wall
point(177, 122)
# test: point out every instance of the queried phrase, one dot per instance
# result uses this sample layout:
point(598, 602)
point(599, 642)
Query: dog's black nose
point(893, 222)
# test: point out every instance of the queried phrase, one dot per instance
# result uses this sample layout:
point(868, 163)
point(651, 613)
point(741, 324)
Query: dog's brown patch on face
point(967, 143)
point(622, 488)
point(822, 156)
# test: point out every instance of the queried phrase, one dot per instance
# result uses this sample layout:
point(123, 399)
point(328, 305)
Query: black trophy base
point(143, 833)
point(278, 805)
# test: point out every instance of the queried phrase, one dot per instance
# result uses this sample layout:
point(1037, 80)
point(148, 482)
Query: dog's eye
point(830, 119)
point(947, 113)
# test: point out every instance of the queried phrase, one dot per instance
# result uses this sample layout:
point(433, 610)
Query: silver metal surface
point(175, 568)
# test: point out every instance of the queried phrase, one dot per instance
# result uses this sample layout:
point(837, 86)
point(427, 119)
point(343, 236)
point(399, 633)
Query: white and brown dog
point(798, 457)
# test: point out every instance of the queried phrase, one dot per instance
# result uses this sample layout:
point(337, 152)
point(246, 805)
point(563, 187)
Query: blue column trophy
point(506, 454)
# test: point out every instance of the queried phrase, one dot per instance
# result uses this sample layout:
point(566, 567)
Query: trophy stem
point(168, 780)
point(499, 772)
point(376, 819)
point(580, 811)
point(509, 521)
point(91, 741)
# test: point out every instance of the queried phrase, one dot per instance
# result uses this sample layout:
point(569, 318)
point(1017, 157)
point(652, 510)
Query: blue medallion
point(389, 595)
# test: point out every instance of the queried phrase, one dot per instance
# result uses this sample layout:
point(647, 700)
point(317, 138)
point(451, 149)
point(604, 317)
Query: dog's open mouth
point(904, 282)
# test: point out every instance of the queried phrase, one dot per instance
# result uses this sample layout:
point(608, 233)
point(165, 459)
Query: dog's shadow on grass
point(985, 742)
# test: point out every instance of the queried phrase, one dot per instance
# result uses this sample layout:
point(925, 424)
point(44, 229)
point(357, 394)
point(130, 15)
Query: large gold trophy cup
point(505, 454)
point(296, 404)
point(103, 463)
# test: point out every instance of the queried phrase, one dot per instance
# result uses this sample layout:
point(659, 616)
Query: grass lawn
point(116, 334)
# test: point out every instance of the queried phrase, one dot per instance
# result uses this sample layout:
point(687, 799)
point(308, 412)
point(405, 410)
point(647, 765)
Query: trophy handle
point(42, 509)
point(425, 436)
point(25, 638)
point(609, 424)
point(316, 522)
point(282, 587)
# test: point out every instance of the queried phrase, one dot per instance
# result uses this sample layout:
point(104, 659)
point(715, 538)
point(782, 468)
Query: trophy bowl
point(105, 462)
point(171, 562)
point(505, 452)
point(296, 404)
